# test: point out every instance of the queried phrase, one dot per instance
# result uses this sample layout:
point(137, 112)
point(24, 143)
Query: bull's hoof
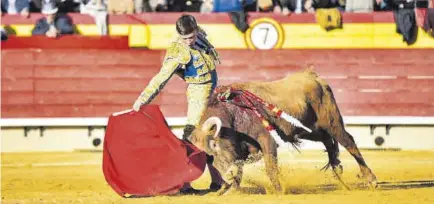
point(373, 185)
point(232, 191)
point(370, 179)
point(223, 189)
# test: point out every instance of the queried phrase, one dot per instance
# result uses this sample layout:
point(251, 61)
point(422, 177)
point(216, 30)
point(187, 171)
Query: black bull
point(235, 136)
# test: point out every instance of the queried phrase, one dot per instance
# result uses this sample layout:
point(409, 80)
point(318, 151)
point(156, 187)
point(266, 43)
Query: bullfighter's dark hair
point(186, 24)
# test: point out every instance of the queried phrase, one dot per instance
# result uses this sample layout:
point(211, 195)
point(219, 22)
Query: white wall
point(77, 138)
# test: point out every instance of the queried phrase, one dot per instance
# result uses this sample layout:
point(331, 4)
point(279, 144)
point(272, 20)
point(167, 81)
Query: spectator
point(63, 6)
point(360, 6)
point(35, 6)
point(265, 5)
point(382, 5)
point(405, 20)
point(15, 7)
point(98, 10)
point(288, 6)
point(53, 24)
point(207, 6)
point(192, 5)
point(4, 36)
point(182, 5)
point(429, 22)
point(120, 6)
point(158, 5)
point(141, 6)
point(250, 5)
point(312, 5)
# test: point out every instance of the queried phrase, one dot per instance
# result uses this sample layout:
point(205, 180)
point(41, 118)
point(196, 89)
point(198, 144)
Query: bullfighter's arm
point(158, 82)
point(176, 57)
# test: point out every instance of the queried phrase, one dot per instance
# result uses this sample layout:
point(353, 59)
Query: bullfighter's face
point(189, 39)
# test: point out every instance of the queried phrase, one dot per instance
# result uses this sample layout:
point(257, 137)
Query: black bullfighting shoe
point(189, 191)
point(214, 187)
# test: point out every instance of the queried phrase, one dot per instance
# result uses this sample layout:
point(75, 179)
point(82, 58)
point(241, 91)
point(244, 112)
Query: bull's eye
point(213, 144)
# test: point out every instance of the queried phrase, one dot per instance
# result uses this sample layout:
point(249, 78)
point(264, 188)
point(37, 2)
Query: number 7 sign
point(264, 34)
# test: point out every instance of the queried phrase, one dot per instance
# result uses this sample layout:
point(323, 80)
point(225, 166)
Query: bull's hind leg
point(332, 147)
point(347, 140)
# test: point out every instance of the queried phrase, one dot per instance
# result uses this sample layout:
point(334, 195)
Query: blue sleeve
point(3, 6)
point(40, 28)
point(22, 4)
point(64, 25)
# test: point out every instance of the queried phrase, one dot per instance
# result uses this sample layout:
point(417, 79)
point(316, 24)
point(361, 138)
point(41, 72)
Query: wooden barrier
point(96, 83)
point(66, 42)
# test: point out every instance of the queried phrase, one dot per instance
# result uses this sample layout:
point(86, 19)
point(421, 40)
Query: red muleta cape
point(142, 157)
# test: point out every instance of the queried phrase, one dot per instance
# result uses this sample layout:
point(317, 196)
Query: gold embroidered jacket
point(195, 64)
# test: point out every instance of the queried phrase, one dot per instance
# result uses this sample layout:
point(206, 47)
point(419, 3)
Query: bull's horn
point(210, 122)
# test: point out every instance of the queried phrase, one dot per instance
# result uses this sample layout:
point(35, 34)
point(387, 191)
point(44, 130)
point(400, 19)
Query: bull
point(234, 136)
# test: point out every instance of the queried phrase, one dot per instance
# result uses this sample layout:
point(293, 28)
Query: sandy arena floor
point(404, 177)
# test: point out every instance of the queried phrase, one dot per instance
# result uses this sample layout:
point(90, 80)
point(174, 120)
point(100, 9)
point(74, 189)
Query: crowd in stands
point(24, 7)
point(56, 22)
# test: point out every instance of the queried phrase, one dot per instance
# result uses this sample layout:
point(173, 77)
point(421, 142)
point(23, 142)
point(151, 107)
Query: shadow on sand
point(315, 189)
point(257, 188)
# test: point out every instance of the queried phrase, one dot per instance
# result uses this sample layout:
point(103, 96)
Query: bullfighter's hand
point(137, 104)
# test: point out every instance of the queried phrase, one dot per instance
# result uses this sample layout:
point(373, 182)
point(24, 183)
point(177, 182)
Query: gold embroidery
point(178, 52)
point(197, 97)
point(198, 79)
point(159, 81)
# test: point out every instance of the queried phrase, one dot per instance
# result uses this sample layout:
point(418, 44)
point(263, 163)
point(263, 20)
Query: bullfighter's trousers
point(197, 98)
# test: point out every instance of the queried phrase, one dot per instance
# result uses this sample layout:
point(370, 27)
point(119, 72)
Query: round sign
point(264, 34)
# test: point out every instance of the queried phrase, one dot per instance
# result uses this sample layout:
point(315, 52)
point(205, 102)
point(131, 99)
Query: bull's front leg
point(233, 177)
point(269, 148)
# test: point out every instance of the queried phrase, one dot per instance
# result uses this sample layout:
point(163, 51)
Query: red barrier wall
point(96, 83)
point(66, 42)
